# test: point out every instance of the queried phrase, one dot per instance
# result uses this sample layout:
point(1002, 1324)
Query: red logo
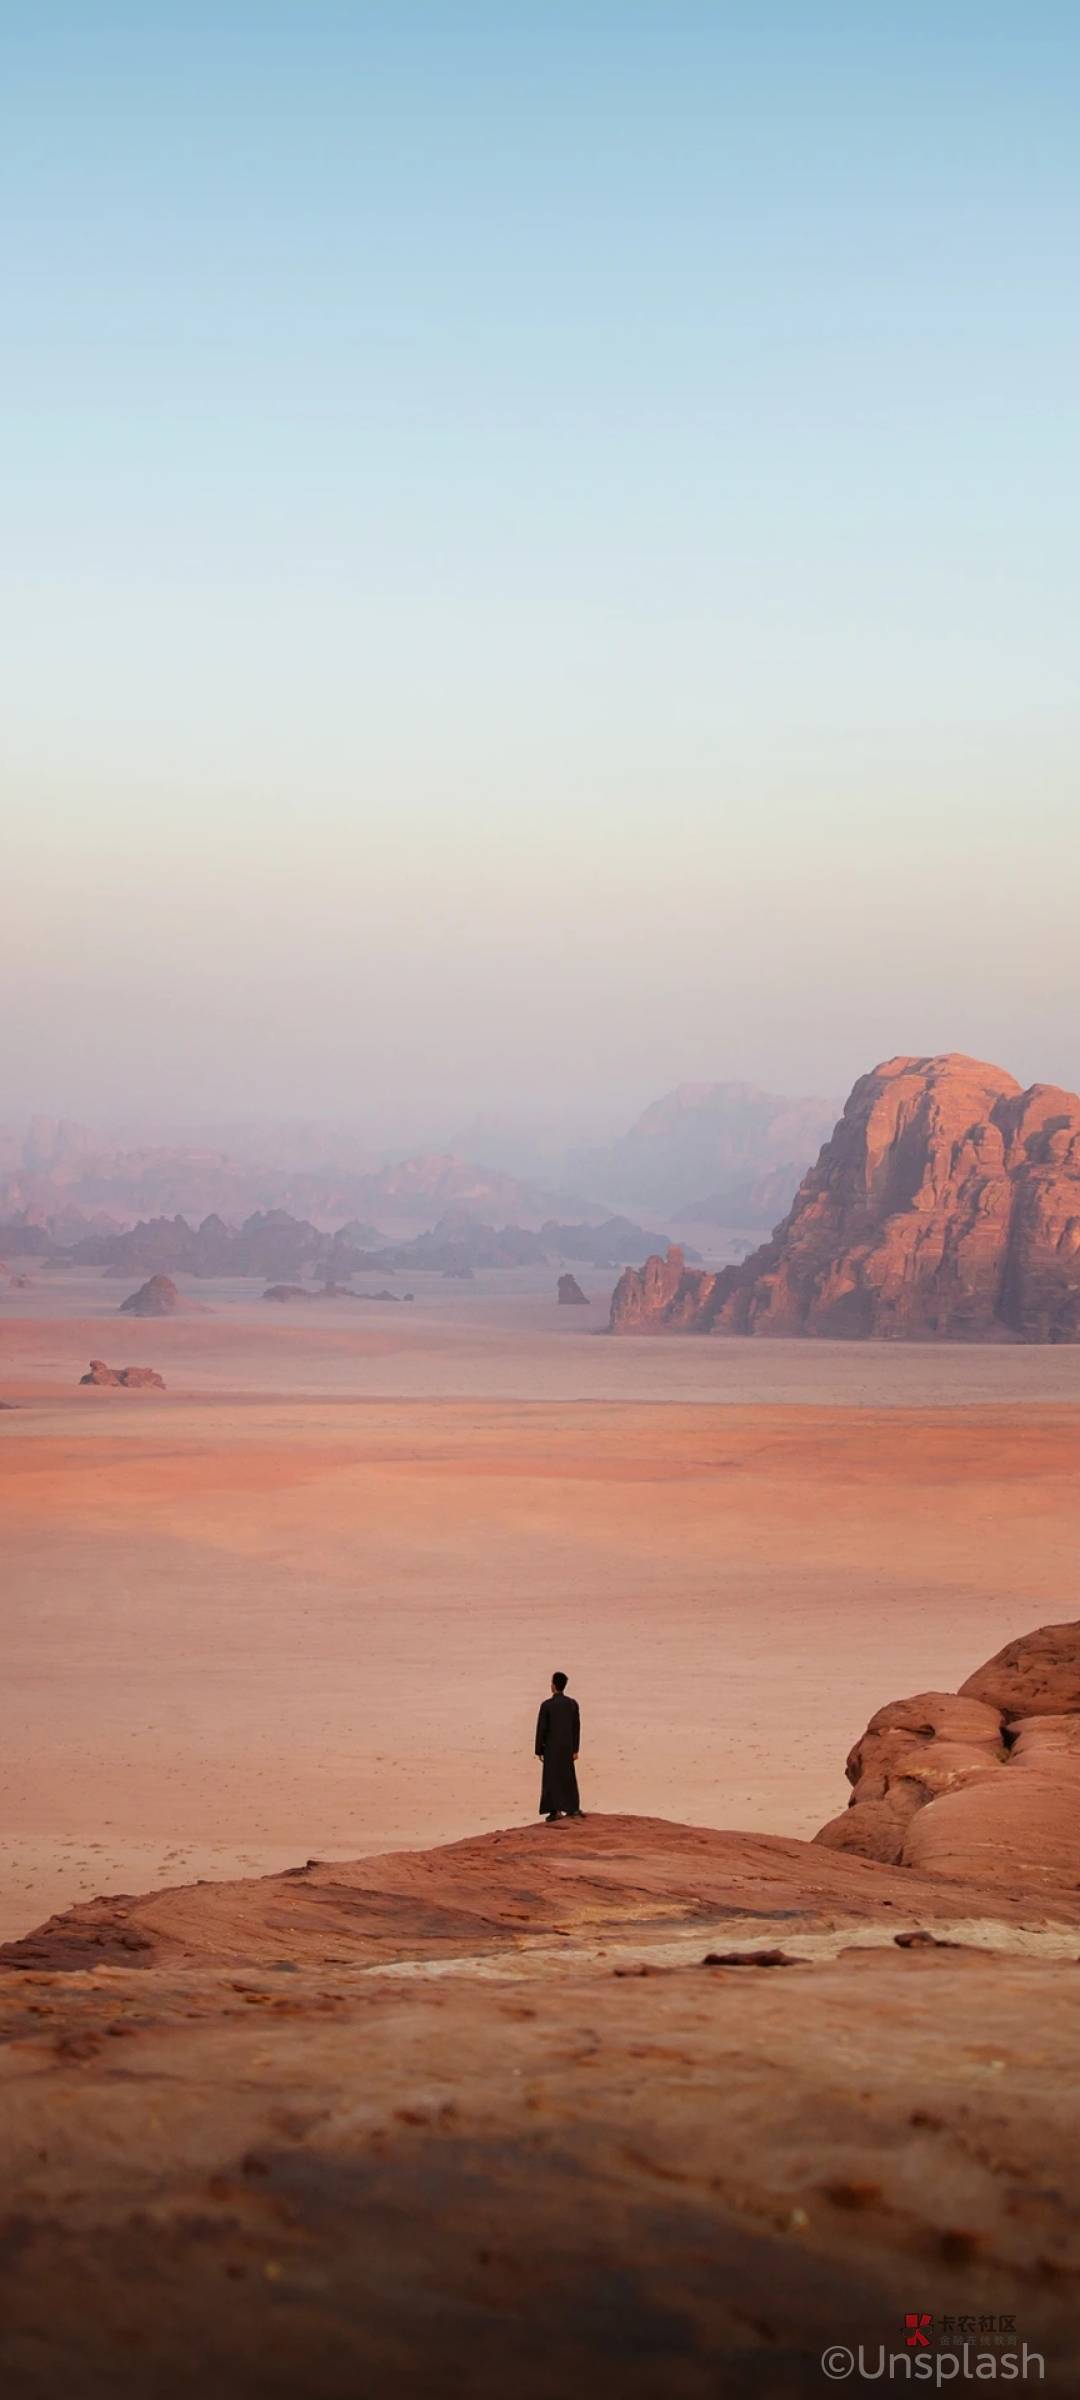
point(915, 2320)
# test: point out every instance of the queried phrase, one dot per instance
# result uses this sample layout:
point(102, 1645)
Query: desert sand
point(306, 1601)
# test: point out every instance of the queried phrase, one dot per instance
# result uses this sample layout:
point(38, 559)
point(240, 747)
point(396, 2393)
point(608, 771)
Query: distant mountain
point(424, 1190)
point(280, 1248)
point(618, 1242)
point(757, 1203)
point(945, 1207)
point(272, 1244)
point(716, 1138)
point(62, 1175)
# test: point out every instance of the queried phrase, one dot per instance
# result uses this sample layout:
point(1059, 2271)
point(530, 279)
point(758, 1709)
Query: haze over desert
point(539, 1200)
point(248, 1616)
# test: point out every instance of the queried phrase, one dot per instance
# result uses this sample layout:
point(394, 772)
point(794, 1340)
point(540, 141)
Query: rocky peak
point(946, 1203)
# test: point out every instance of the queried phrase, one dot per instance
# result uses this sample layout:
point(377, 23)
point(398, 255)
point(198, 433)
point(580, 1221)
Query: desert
point(239, 1609)
point(539, 1203)
point(248, 1615)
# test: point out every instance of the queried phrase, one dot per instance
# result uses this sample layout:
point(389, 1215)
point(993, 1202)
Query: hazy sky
point(539, 547)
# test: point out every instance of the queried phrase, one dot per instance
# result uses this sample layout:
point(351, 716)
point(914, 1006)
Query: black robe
point(558, 1736)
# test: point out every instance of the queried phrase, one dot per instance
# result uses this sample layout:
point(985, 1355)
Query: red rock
point(947, 1204)
point(667, 1296)
point(1037, 1676)
point(132, 1379)
point(157, 1298)
point(978, 1784)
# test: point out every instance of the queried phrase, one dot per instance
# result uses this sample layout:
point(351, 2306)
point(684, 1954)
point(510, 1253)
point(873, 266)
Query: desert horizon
point(240, 1605)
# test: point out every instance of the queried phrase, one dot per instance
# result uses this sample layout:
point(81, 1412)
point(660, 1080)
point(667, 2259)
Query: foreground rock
point(981, 1784)
point(131, 1379)
point(607, 1878)
point(480, 2120)
point(947, 1204)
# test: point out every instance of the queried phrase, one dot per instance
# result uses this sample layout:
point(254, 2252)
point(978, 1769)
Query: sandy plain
point(304, 1603)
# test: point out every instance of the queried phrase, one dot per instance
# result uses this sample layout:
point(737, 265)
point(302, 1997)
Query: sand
point(305, 1603)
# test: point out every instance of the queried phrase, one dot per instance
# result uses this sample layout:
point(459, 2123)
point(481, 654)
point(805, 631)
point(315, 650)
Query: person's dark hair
point(559, 1682)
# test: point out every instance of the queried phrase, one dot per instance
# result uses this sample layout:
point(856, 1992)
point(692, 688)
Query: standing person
point(558, 1740)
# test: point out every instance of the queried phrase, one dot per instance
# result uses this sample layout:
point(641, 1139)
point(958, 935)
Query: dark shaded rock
point(571, 1294)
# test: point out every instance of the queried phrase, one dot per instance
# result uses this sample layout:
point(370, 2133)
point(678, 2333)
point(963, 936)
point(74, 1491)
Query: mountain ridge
point(946, 1204)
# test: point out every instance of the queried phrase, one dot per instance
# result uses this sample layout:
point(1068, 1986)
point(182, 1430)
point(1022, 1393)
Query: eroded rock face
point(1037, 1676)
point(667, 1296)
point(156, 1298)
point(131, 1379)
point(947, 1203)
point(983, 1783)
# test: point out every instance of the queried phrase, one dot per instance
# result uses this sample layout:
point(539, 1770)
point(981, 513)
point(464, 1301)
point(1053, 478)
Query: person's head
point(558, 1683)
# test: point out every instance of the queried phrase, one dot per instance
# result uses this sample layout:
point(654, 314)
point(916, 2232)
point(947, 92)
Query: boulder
point(131, 1379)
point(571, 1294)
point(1037, 1676)
point(979, 1784)
point(157, 1298)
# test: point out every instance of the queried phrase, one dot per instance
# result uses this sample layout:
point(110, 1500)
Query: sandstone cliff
point(947, 1203)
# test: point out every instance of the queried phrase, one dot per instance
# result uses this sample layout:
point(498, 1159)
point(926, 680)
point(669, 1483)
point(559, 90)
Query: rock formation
point(157, 1298)
point(982, 1783)
point(667, 1296)
point(611, 2134)
point(258, 2140)
point(571, 1294)
point(133, 1379)
point(946, 1204)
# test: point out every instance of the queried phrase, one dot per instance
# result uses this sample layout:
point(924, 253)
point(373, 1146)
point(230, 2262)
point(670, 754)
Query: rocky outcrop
point(1037, 1676)
point(132, 1379)
point(667, 1296)
point(613, 2148)
point(157, 1298)
point(946, 1204)
point(571, 1294)
point(983, 1783)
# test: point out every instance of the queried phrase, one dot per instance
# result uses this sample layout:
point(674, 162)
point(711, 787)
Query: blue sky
point(536, 534)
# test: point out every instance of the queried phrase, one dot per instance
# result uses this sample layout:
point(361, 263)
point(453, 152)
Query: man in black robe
point(558, 1740)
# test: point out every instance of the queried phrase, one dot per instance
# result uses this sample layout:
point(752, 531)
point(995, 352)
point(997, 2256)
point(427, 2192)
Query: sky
point(538, 549)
